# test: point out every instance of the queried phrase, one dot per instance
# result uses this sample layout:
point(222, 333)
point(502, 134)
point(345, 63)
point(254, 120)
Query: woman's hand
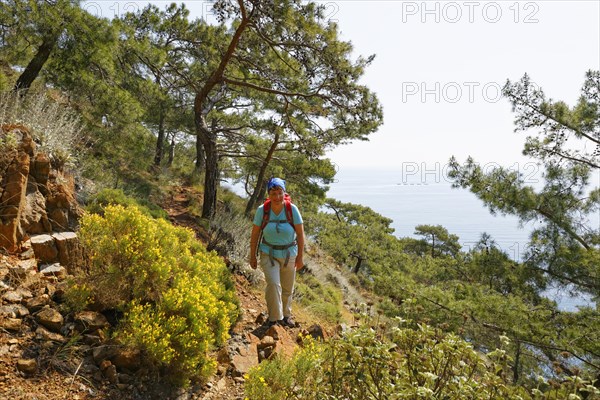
point(299, 228)
point(299, 264)
point(253, 245)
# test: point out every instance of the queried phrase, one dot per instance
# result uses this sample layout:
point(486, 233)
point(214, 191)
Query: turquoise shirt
point(279, 233)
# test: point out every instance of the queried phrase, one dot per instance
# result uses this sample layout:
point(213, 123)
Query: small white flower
point(430, 376)
point(591, 389)
point(424, 392)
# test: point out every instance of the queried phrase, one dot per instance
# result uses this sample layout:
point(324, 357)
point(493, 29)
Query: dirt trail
point(177, 207)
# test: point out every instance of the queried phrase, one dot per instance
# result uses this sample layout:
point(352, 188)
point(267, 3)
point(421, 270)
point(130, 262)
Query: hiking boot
point(270, 323)
point(288, 321)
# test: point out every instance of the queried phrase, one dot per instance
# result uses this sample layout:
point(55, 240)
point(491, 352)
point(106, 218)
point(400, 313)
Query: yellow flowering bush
point(78, 296)
point(177, 298)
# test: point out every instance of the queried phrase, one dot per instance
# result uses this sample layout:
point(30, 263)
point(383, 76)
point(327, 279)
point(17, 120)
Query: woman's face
point(276, 195)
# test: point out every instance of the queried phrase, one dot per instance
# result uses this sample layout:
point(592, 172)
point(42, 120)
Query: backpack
point(287, 205)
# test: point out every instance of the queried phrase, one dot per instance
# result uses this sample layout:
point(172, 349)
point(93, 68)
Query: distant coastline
point(411, 200)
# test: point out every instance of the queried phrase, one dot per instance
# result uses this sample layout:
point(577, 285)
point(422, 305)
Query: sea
point(414, 195)
point(415, 199)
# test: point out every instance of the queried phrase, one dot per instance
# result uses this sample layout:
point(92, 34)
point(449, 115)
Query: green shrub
point(353, 280)
point(229, 234)
point(78, 296)
point(280, 379)
point(118, 197)
point(178, 299)
point(4, 85)
point(322, 300)
point(410, 364)
point(8, 142)
point(231, 201)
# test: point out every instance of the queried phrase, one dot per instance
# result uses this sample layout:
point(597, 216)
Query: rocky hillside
point(49, 353)
point(34, 197)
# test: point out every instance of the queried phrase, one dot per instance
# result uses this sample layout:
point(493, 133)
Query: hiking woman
point(281, 250)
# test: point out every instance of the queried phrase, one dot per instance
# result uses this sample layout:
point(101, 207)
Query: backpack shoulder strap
point(287, 203)
point(266, 214)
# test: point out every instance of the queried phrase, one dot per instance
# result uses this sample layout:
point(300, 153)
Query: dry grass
point(55, 128)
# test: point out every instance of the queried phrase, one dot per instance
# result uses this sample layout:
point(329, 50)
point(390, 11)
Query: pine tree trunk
point(260, 180)
point(160, 141)
point(200, 155)
point(37, 62)
point(254, 199)
point(211, 181)
point(358, 265)
point(516, 366)
point(171, 153)
point(211, 173)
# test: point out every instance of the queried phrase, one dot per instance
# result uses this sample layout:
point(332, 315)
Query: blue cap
point(276, 182)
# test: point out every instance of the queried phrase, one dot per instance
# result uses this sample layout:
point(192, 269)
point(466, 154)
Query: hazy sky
point(439, 67)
